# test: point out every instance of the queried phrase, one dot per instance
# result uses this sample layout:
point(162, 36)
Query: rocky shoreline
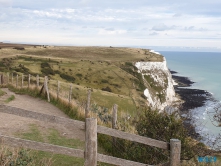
point(192, 98)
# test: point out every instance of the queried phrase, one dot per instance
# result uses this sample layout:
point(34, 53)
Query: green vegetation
point(1, 93)
point(15, 157)
point(82, 65)
point(111, 75)
point(12, 97)
point(52, 136)
point(159, 126)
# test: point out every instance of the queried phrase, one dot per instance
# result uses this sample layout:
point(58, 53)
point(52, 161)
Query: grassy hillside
point(109, 71)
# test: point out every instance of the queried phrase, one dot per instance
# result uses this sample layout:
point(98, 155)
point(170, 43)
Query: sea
point(203, 68)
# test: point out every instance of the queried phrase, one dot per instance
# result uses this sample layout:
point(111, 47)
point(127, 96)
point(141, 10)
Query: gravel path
point(11, 124)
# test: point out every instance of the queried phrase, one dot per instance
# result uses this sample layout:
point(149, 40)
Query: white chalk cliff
point(158, 80)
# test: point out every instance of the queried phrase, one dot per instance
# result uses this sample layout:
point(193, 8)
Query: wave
point(202, 118)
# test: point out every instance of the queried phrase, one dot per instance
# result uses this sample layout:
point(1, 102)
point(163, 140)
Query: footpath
point(11, 125)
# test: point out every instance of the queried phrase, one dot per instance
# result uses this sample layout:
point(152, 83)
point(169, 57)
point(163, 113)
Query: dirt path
point(11, 124)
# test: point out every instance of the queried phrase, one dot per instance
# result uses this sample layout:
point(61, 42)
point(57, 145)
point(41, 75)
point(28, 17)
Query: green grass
point(1, 92)
point(12, 97)
point(82, 67)
point(52, 136)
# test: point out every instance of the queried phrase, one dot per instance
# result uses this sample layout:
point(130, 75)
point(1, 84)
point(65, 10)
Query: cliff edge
point(158, 80)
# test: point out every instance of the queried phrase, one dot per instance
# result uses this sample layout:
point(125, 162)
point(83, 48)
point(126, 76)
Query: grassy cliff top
point(82, 53)
point(109, 71)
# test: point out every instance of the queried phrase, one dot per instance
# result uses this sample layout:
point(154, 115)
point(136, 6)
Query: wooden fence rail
point(17, 142)
point(90, 126)
point(174, 144)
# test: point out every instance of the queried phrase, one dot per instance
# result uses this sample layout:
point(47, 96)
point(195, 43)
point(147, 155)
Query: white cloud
point(162, 27)
point(125, 21)
point(153, 33)
point(5, 3)
point(111, 31)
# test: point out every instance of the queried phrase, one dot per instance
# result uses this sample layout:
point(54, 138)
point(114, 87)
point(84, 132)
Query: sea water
point(203, 68)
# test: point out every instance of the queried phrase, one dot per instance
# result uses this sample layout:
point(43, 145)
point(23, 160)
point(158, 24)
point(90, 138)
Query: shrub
point(160, 126)
point(79, 75)
point(45, 65)
point(67, 77)
point(19, 48)
point(108, 89)
point(48, 71)
point(104, 81)
point(128, 64)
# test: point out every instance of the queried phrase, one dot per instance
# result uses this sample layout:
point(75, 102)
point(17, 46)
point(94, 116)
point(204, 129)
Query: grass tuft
point(12, 97)
point(1, 92)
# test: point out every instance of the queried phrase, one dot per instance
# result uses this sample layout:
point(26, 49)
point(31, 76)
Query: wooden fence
point(91, 128)
point(28, 80)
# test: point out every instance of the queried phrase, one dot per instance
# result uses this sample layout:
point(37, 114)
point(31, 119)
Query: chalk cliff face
point(158, 80)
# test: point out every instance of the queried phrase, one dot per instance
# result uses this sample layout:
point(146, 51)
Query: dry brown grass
point(113, 54)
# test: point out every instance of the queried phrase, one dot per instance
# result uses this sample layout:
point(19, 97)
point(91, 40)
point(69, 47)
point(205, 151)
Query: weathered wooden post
point(12, 78)
point(0, 79)
point(58, 88)
point(29, 78)
point(37, 81)
point(91, 142)
point(175, 150)
point(46, 88)
point(114, 116)
point(87, 110)
point(17, 81)
point(114, 122)
point(22, 81)
point(70, 93)
point(8, 78)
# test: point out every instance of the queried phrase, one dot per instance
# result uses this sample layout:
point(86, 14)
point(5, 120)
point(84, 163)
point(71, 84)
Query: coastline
point(192, 99)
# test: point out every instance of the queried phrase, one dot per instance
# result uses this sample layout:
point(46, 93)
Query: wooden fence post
point(29, 78)
point(12, 78)
point(37, 81)
point(91, 142)
point(114, 117)
point(58, 88)
point(175, 150)
point(1, 79)
point(70, 93)
point(22, 80)
point(8, 78)
point(114, 123)
point(46, 88)
point(17, 81)
point(87, 110)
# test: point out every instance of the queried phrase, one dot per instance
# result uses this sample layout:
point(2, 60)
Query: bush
point(108, 89)
point(159, 126)
point(104, 81)
point(128, 64)
point(19, 48)
point(79, 75)
point(67, 77)
point(47, 71)
point(45, 65)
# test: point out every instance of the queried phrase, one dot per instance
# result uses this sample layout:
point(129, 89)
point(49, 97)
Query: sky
point(170, 23)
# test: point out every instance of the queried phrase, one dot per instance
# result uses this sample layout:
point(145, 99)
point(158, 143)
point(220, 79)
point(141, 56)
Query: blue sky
point(117, 23)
